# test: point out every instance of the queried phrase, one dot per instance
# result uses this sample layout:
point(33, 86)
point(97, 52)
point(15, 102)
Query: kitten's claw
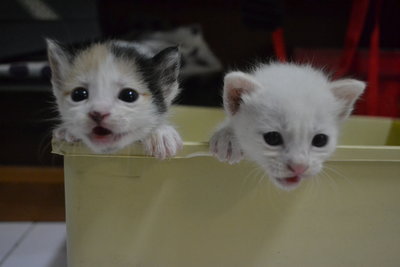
point(62, 134)
point(225, 147)
point(163, 143)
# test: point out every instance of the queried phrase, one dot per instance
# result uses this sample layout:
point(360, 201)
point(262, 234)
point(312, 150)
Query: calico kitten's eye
point(79, 94)
point(320, 140)
point(128, 95)
point(273, 138)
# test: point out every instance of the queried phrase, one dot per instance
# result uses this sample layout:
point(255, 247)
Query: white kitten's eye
point(320, 140)
point(79, 94)
point(128, 95)
point(273, 138)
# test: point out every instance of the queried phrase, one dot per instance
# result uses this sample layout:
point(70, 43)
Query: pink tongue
point(98, 130)
point(292, 180)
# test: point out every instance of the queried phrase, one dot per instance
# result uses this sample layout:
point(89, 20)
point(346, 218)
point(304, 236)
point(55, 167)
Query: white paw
point(163, 142)
point(62, 134)
point(225, 147)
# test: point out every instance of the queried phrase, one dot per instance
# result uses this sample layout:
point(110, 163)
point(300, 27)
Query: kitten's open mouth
point(101, 131)
point(289, 181)
point(102, 135)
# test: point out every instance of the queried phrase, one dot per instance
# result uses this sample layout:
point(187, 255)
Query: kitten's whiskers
point(339, 174)
point(332, 183)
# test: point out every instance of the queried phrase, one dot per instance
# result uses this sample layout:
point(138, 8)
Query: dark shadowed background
point(237, 32)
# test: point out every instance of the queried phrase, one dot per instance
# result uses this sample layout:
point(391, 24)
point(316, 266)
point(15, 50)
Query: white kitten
point(285, 117)
point(110, 95)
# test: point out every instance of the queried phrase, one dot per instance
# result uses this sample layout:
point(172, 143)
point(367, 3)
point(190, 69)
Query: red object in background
point(388, 92)
point(382, 96)
point(381, 69)
point(278, 43)
point(356, 24)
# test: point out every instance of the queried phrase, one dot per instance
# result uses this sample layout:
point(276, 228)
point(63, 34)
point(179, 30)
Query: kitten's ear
point(59, 62)
point(347, 91)
point(236, 85)
point(167, 63)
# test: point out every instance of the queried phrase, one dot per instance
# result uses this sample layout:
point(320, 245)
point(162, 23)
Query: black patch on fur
point(168, 69)
point(147, 71)
point(152, 79)
point(154, 70)
point(124, 52)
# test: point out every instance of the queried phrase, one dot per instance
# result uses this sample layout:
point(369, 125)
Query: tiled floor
point(32, 244)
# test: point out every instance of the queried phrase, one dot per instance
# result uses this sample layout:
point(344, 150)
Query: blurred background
point(355, 38)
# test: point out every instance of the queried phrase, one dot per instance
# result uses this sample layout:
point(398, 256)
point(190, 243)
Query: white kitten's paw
point(225, 147)
point(164, 142)
point(62, 134)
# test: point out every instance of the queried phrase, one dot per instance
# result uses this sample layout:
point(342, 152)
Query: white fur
point(297, 101)
point(225, 146)
point(104, 76)
point(164, 141)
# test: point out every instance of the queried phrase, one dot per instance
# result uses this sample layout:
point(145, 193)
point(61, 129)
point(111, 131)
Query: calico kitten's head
point(286, 117)
point(109, 95)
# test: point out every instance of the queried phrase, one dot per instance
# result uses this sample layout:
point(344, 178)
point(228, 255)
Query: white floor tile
point(10, 234)
point(43, 246)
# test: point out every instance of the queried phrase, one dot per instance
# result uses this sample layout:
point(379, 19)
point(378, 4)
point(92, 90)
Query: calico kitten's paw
point(225, 147)
point(62, 134)
point(164, 142)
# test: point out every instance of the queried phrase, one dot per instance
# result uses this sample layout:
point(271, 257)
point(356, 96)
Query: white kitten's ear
point(59, 62)
point(347, 91)
point(167, 63)
point(236, 85)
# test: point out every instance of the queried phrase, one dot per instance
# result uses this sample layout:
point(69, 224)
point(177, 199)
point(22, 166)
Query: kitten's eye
point(320, 140)
point(273, 138)
point(128, 95)
point(79, 94)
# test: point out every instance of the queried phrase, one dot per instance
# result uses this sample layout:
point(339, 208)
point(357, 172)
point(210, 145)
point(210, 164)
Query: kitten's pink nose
point(98, 116)
point(297, 169)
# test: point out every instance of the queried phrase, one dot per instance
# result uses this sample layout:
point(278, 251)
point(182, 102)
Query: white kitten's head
point(286, 117)
point(109, 95)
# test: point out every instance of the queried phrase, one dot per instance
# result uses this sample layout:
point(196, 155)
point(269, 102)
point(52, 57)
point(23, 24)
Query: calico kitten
point(110, 95)
point(285, 117)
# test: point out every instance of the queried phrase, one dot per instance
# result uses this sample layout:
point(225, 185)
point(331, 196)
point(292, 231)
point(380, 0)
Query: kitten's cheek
point(316, 169)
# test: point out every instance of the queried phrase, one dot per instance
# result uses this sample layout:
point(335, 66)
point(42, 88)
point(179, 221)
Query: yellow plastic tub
point(131, 210)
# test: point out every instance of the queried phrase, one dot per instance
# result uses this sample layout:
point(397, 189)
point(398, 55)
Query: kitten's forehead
point(290, 113)
point(91, 58)
point(293, 93)
point(287, 74)
point(99, 67)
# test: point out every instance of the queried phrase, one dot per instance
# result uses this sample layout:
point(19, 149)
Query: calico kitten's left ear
point(167, 63)
point(58, 60)
point(347, 91)
point(237, 85)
